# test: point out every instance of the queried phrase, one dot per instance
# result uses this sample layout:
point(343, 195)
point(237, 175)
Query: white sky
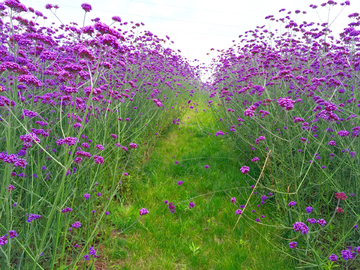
point(195, 25)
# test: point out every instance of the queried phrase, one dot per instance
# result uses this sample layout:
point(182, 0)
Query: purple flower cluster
point(32, 217)
point(299, 226)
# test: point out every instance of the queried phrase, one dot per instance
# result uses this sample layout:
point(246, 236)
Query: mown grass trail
point(198, 238)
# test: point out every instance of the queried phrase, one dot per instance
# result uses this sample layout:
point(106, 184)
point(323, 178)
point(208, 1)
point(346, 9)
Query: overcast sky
point(195, 26)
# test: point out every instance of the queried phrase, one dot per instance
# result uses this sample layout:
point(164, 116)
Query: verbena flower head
point(191, 205)
point(100, 147)
point(292, 203)
point(233, 200)
point(143, 211)
point(133, 145)
point(66, 210)
point(92, 251)
point(87, 196)
point(333, 257)
point(171, 207)
point(293, 245)
point(32, 217)
point(341, 196)
point(3, 240)
point(321, 222)
point(238, 212)
point(67, 141)
point(86, 7)
point(339, 210)
point(309, 209)
point(245, 169)
point(116, 18)
point(347, 254)
point(12, 234)
point(76, 224)
point(299, 226)
point(99, 159)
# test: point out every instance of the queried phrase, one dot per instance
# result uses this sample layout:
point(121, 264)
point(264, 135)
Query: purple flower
point(171, 207)
point(286, 103)
point(66, 210)
point(143, 211)
point(78, 160)
point(76, 224)
point(309, 209)
point(12, 234)
point(68, 141)
point(245, 169)
point(333, 257)
point(100, 147)
point(32, 217)
point(238, 212)
point(87, 196)
point(343, 133)
point(11, 188)
point(133, 145)
point(180, 183)
point(322, 222)
point(311, 220)
point(206, 166)
point(347, 254)
point(86, 7)
point(116, 18)
point(3, 240)
point(191, 205)
point(299, 226)
point(106, 213)
point(113, 136)
point(233, 200)
point(292, 203)
point(99, 159)
point(166, 201)
point(30, 80)
point(86, 257)
point(92, 251)
point(293, 244)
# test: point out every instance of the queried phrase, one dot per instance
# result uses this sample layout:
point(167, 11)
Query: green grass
point(198, 238)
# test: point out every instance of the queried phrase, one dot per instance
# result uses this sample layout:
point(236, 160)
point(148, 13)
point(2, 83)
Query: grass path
point(198, 238)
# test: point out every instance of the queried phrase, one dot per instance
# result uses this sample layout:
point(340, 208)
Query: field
point(116, 154)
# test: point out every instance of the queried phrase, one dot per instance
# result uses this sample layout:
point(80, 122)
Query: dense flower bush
point(298, 90)
point(63, 94)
